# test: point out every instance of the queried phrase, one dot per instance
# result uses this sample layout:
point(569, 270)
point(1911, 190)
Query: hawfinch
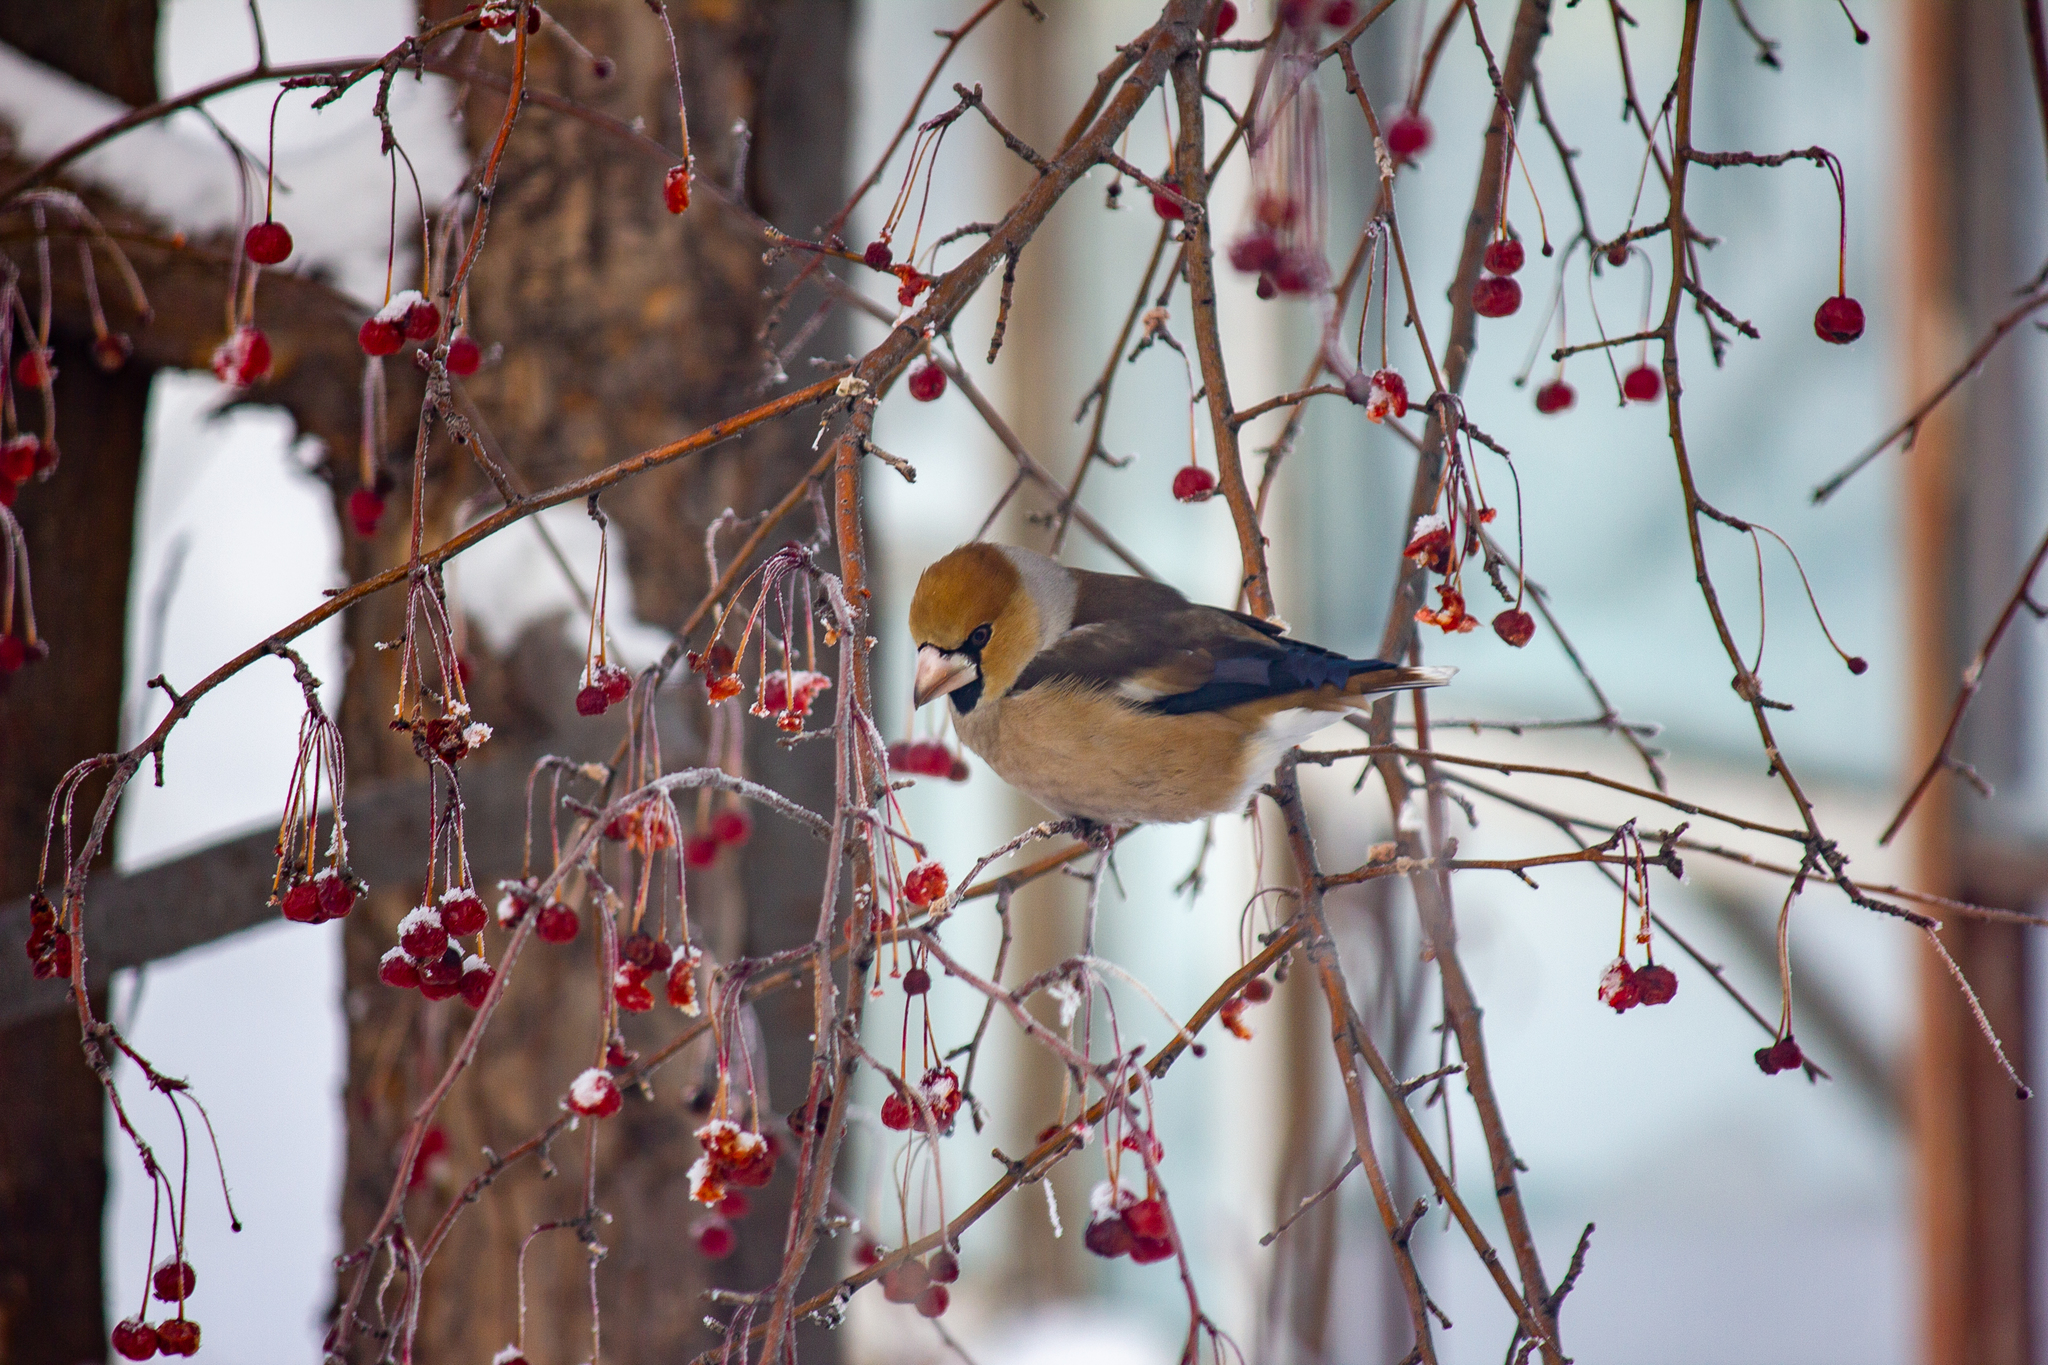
point(1116, 699)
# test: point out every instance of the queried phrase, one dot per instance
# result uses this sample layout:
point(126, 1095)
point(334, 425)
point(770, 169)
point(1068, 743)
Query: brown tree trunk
point(622, 327)
point(80, 527)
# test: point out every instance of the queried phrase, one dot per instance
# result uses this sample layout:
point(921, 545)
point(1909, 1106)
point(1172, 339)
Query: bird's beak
point(939, 673)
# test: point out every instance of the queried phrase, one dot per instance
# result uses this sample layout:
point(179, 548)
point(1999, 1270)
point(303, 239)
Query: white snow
point(419, 916)
point(591, 1090)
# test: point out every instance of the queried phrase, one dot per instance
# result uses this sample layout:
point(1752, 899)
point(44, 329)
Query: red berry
point(1146, 1218)
point(925, 884)
point(675, 188)
point(898, 1113)
point(616, 682)
point(903, 1283)
point(1408, 135)
point(1783, 1055)
point(399, 970)
point(878, 256)
point(1839, 320)
point(365, 510)
point(477, 977)
point(464, 355)
point(13, 654)
point(734, 1205)
point(268, 242)
point(631, 990)
point(646, 952)
point(173, 1281)
point(337, 896)
point(1194, 484)
point(1504, 257)
point(1655, 985)
point(134, 1339)
point(1146, 1250)
point(1258, 990)
point(716, 1240)
point(442, 977)
point(422, 320)
point(1108, 1237)
point(380, 337)
point(18, 458)
point(242, 359)
point(422, 934)
point(591, 701)
point(916, 981)
point(1555, 397)
point(866, 1252)
point(1222, 19)
point(1496, 296)
point(700, 850)
point(1165, 205)
point(301, 904)
point(178, 1337)
point(595, 1094)
point(1257, 252)
point(732, 827)
point(934, 1301)
point(463, 913)
point(943, 1266)
point(1618, 254)
point(111, 351)
point(1618, 987)
point(557, 923)
point(1642, 385)
point(1516, 627)
point(927, 382)
point(35, 368)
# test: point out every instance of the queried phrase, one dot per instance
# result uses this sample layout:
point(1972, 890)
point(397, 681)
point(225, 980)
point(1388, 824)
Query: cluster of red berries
point(939, 1090)
point(732, 1156)
point(21, 459)
point(425, 960)
point(1623, 987)
point(366, 504)
point(922, 1283)
point(1264, 252)
point(608, 685)
point(49, 947)
point(642, 956)
point(1496, 293)
point(1783, 1055)
point(407, 316)
point(787, 694)
point(172, 1282)
point(556, 922)
point(328, 894)
point(1256, 991)
point(927, 758)
point(715, 1235)
point(718, 664)
point(1133, 1227)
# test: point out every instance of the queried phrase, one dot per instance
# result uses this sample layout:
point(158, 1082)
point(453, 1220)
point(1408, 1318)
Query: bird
point(1113, 699)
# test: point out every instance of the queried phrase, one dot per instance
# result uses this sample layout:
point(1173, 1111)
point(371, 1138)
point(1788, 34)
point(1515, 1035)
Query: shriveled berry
point(1515, 626)
point(396, 969)
point(464, 355)
point(916, 981)
point(1108, 1236)
point(1504, 257)
point(1555, 397)
point(675, 188)
point(1655, 984)
point(647, 952)
point(379, 336)
point(178, 1337)
point(267, 242)
point(1192, 483)
point(462, 912)
point(898, 1113)
point(1783, 1055)
point(716, 1240)
point(173, 1280)
point(1839, 320)
point(927, 382)
point(1408, 135)
point(556, 923)
point(1618, 254)
point(1858, 664)
point(934, 1301)
point(732, 827)
point(365, 510)
point(1496, 296)
point(134, 1339)
point(903, 1283)
point(878, 256)
point(1642, 385)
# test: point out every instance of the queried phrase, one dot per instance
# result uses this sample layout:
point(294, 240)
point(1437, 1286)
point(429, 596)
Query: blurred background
point(1739, 1217)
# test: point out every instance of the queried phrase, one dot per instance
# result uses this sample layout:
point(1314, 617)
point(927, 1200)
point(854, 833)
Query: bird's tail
point(1393, 678)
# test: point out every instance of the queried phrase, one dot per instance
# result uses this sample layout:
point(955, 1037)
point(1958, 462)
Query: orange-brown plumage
point(1115, 698)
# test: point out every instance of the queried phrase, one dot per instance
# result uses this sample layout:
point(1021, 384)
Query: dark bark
point(622, 326)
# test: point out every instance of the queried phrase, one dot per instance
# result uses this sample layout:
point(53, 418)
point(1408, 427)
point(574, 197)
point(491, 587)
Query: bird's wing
point(1188, 658)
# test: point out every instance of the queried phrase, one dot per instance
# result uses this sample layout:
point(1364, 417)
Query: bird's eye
point(979, 638)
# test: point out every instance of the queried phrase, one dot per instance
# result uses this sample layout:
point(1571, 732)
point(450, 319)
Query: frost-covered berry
point(422, 320)
point(595, 1095)
point(462, 912)
point(630, 989)
point(301, 904)
point(557, 923)
point(267, 242)
point(591, 701)
point(337, 893)
point(477, 977)
point(422, 934)
point(442, 977)
point(243, 359)
point(396, 969)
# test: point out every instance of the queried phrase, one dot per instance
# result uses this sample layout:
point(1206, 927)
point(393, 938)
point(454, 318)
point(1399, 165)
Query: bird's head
point(979, 615)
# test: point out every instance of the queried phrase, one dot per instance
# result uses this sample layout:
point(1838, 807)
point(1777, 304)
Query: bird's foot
point(1093, 833)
